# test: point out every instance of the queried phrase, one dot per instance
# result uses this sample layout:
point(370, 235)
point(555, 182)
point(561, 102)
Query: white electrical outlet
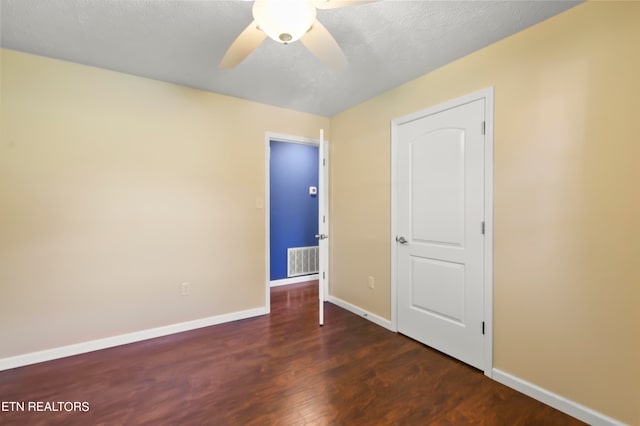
point(186, 289)
point(371, 283)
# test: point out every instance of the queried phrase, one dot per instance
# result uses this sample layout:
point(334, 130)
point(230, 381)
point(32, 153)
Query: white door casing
point(441, 272)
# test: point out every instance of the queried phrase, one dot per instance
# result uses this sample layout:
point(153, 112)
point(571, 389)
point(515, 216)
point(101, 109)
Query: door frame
point(279, 137)
point(488, 96)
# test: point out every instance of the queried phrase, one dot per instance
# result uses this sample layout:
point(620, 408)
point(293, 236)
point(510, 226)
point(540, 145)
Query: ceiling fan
point(286, 21)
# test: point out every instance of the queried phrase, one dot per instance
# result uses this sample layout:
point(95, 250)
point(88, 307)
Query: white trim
point(268, 137)
point(294, 280)
point(123, 339)
point(382, 322)
point(488, 231)
point(556, 401)
point(394, 228)
point(267, 222)
point(488, 96)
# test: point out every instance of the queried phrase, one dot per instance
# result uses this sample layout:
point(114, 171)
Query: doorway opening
point(291, 211)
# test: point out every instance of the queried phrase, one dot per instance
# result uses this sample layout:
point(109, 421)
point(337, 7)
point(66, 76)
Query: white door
point(323, 224)
point(439, 172)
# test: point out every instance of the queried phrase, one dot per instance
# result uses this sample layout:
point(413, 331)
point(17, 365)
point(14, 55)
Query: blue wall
point(293, 212)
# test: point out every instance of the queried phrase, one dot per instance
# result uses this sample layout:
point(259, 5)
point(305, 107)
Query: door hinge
point(324, 219)
point(483, 127)
point(324, 161)
point(323, 277)
point(482, 227)
point(482, 327)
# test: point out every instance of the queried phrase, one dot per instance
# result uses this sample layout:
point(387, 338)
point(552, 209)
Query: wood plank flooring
point(281, 369)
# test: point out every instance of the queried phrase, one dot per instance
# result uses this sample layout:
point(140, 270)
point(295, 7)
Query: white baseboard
point(123, 339)
point(558, 402)
point(361, 312)
point(293, 280)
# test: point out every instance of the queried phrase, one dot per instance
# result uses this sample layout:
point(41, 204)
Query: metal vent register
point(302, 261)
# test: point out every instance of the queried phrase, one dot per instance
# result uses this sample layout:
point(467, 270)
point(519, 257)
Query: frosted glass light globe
point(284, 20)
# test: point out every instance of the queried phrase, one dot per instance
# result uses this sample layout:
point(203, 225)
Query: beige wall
point(114, 190)
point(567, 200)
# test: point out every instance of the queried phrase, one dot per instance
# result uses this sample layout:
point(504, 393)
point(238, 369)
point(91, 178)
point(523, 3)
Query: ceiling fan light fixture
point(284, 21)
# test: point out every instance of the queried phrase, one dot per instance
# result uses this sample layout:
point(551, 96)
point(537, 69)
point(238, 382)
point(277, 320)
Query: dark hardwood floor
point(281, 369)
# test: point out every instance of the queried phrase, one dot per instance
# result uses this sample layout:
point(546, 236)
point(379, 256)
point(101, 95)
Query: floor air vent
point(302, 261)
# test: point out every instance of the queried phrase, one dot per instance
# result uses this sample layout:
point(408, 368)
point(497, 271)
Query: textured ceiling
point(181, 41)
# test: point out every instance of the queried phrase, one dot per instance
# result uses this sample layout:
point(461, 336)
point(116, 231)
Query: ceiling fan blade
point(324, 47)
point(248, 40)
point(334, 4)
